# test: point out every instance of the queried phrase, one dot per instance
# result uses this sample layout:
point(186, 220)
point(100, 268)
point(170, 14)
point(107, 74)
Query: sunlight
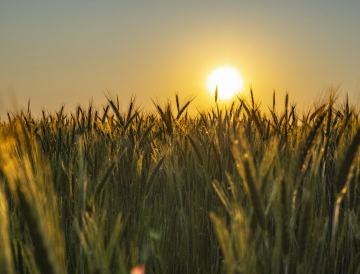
point(227, 79)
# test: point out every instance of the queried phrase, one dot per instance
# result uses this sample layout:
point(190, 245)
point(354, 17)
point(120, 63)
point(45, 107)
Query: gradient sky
point(69, 52)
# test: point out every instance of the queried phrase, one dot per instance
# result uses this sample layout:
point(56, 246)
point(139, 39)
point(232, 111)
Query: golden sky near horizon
point(56, 53)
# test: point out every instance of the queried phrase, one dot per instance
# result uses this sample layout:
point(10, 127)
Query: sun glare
point(228, 81)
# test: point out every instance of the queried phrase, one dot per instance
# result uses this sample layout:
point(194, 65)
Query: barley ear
point(216, 94)
point(273, 109)
point(225, 243)
point(245, 166)
point(343, 179)
point(6, 261)
point(304, 149)
point(224, 197)
point(29, 182)
point(197, 151)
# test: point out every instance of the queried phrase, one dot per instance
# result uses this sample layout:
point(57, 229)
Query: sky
point(76, 52)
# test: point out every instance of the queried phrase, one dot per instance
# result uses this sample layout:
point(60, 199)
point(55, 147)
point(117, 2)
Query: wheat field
point(233, 189)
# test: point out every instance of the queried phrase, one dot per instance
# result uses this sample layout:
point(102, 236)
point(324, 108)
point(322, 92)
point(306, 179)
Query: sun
point(228, 81)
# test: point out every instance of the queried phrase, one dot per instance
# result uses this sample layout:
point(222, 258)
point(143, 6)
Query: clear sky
point(70, 52)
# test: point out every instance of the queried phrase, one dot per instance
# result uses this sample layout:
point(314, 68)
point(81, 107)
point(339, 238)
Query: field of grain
point(234, 189)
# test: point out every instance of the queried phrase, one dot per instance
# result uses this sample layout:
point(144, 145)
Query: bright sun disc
point(228, 81)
